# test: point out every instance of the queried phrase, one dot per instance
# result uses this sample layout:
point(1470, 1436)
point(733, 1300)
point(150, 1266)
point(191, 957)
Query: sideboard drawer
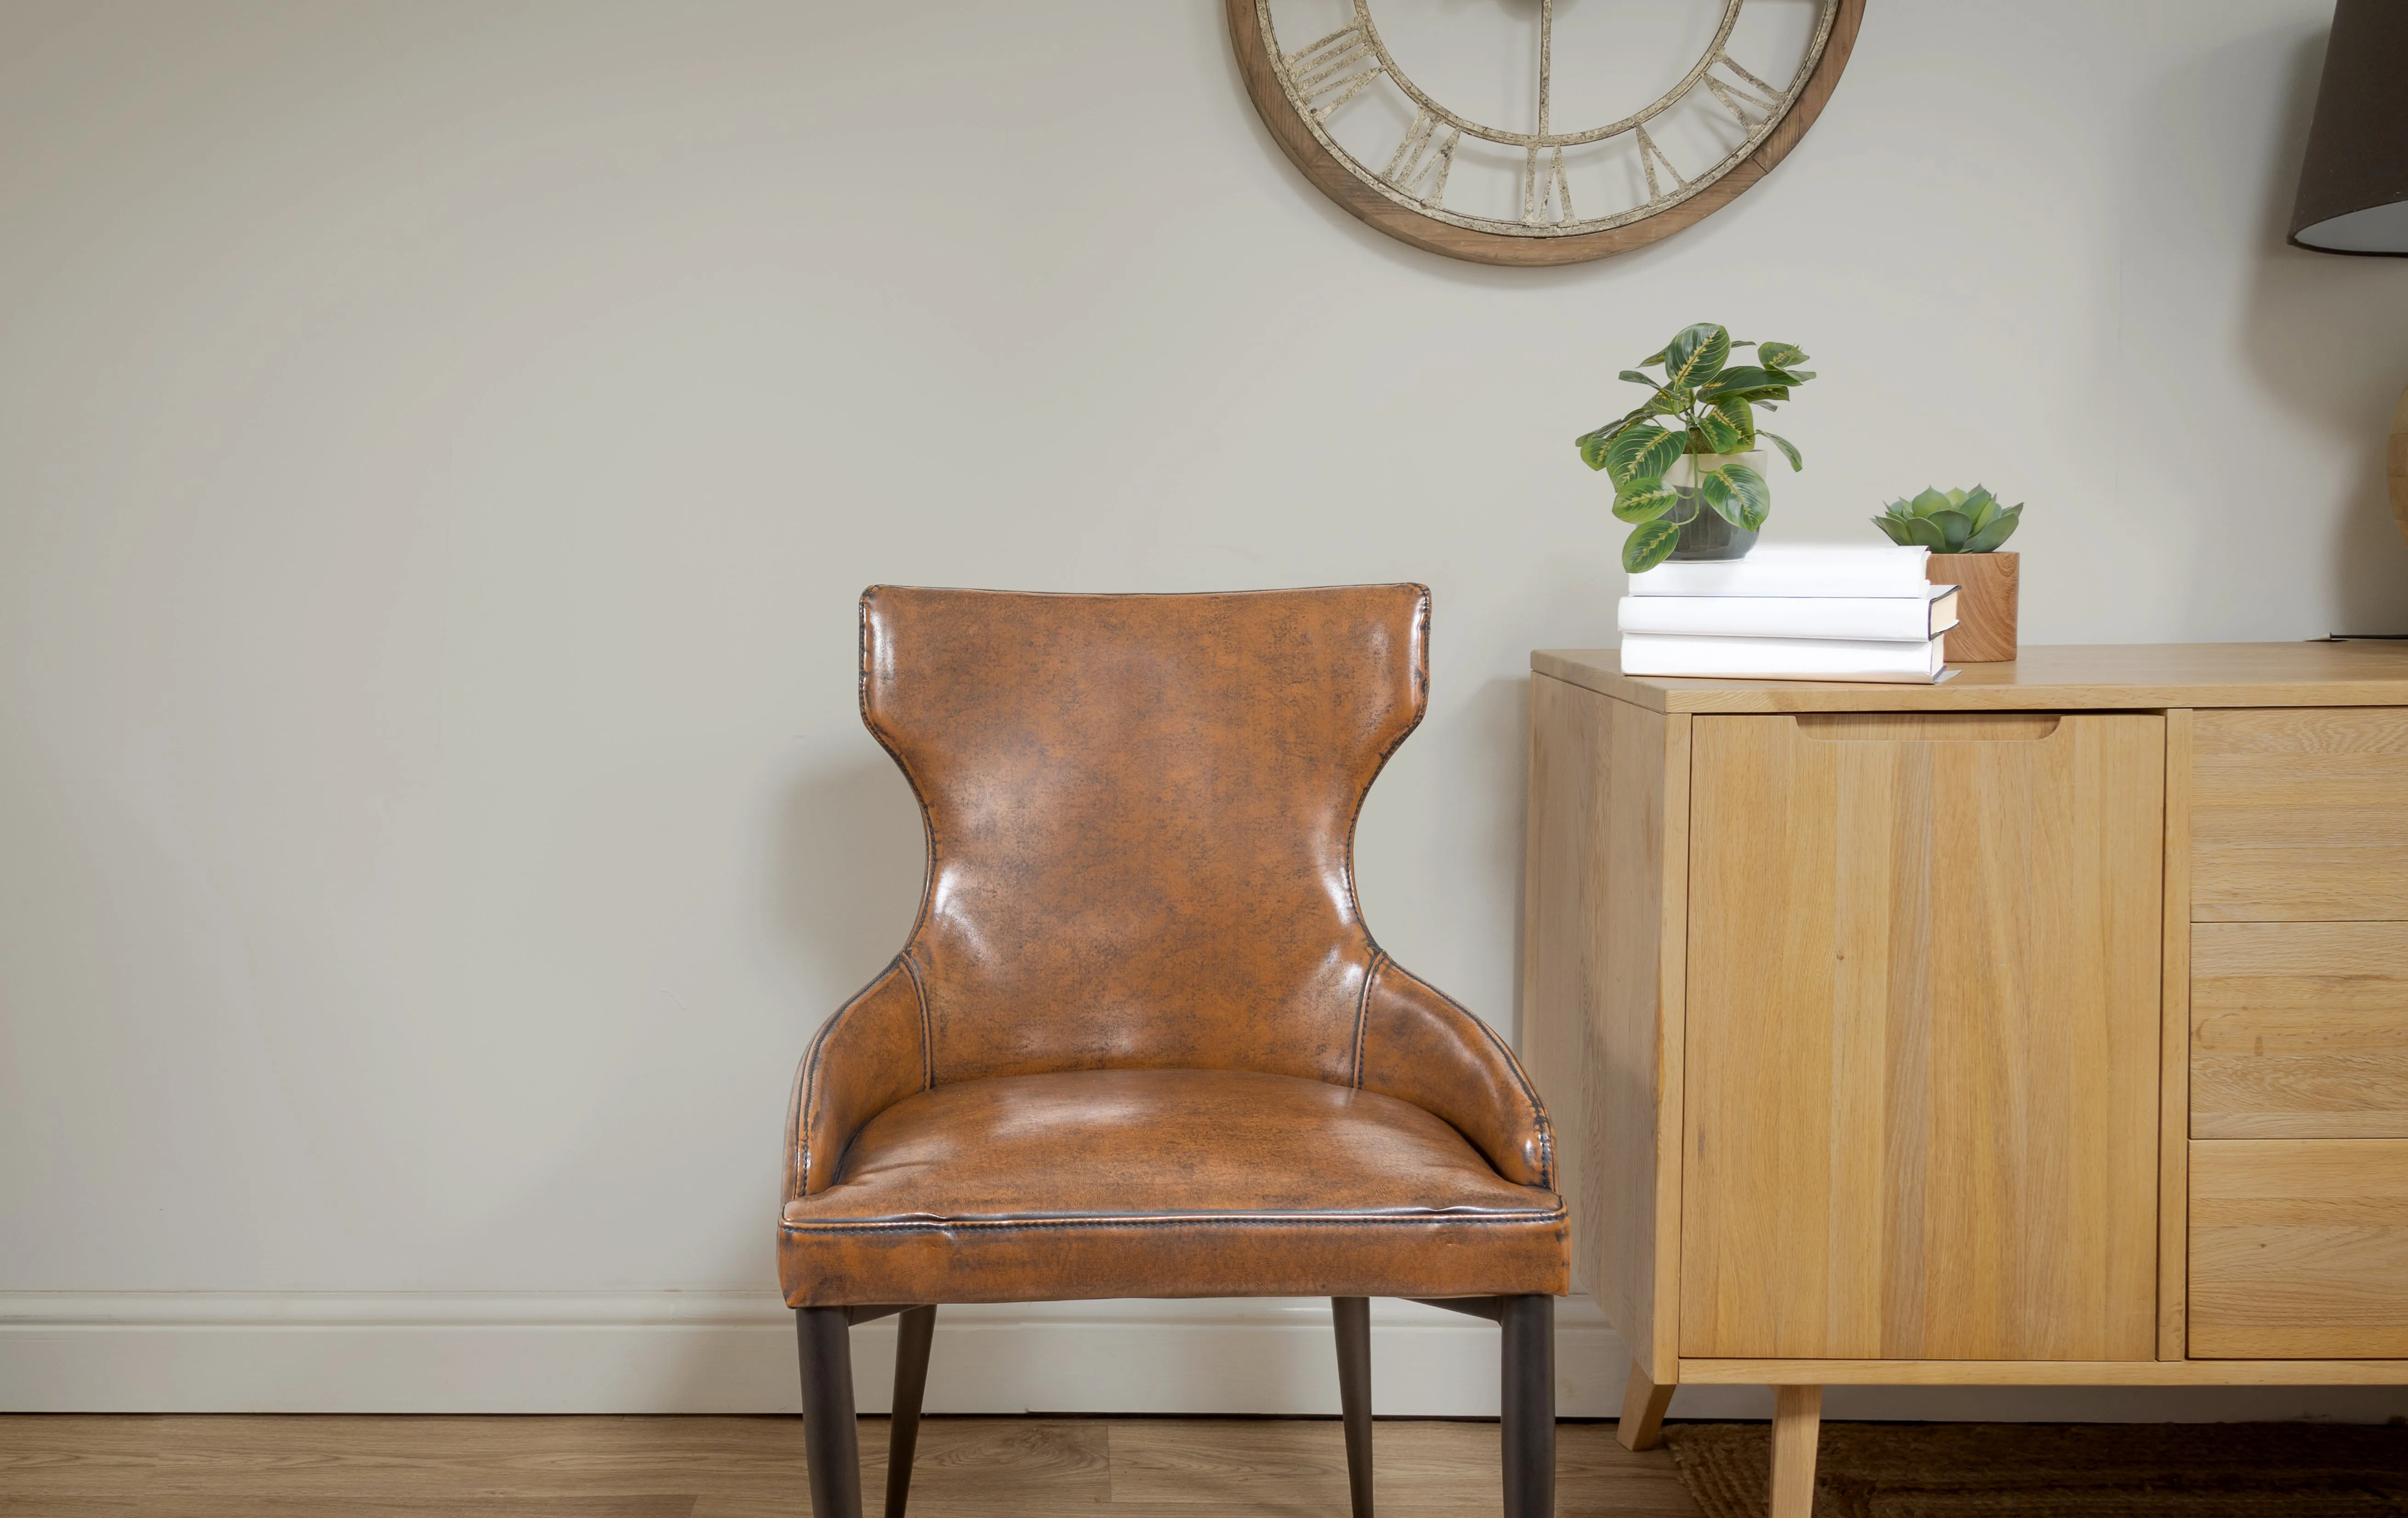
point(2299, 1030)
point(2298, 1248)
point(2300, 815)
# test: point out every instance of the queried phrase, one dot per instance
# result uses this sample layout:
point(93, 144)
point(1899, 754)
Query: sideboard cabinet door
point(1922, 1037)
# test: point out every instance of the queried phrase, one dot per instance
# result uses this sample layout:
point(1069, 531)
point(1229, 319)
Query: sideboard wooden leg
point(1643, 1411)
point(1797, 1429)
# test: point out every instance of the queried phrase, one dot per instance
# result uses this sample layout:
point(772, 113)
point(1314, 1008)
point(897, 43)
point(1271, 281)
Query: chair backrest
point(1140, 816)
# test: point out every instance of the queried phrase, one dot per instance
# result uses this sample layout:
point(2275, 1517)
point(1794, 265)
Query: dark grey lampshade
point(2353, 187)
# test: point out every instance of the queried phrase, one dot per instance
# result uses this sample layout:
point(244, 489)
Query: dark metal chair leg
point(831, 1440)
point(915, 1333)
point(1529, 1405)
point(1353, 1317)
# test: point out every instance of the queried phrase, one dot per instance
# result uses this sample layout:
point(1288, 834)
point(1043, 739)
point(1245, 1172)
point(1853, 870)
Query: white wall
point(440, 445)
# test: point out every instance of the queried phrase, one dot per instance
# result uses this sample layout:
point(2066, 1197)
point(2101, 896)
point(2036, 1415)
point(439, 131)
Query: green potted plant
point(1696, 490)
point(1963, 529)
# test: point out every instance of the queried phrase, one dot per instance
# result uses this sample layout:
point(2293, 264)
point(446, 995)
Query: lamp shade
point(2353, 187)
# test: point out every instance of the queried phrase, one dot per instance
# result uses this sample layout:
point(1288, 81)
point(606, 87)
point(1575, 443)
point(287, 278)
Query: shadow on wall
point(852, 858)
point(2326, 333)
point(1501, 714)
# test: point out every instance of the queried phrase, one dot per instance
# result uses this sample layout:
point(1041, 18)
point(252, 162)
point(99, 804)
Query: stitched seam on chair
point(796, 1158)
point(1363, 1008)
point(927, 815)
point(1420, 673)
point(1522, 1079)
point(804, 1115)
point(1217, 1220)
point(928, 1033)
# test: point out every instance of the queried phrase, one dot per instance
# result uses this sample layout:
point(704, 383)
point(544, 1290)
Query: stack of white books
point(1791, 613)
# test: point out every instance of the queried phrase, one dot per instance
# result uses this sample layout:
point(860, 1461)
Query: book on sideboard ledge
point(1806, 613)
point(1805, 569)
point(1884, 619)
point(1786, 658)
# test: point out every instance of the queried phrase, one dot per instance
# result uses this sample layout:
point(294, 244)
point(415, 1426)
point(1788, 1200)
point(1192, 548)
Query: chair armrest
point(1418, 1045)
point(871, 1055)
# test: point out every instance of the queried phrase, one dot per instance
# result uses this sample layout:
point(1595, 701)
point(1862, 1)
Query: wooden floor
point(71, 1466)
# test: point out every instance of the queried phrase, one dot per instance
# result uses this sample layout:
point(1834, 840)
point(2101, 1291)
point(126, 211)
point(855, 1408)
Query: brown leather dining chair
point(1139, 1042)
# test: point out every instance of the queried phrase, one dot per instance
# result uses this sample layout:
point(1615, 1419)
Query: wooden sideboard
point(2047, 1025)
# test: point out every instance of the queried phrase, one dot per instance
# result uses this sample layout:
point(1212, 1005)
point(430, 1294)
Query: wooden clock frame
point(1335, 180)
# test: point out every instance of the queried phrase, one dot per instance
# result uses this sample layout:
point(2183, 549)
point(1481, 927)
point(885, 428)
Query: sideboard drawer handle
point(1928, 726)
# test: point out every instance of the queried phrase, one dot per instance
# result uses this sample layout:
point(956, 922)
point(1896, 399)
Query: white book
point(1783, 658)
point(1886, 619)
point(1807, 569)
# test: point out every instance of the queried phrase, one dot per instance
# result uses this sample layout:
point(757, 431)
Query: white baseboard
point(670, 1351)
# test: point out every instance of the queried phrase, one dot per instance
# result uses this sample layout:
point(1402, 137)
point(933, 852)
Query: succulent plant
point(1950, 521)
point(1714, 402)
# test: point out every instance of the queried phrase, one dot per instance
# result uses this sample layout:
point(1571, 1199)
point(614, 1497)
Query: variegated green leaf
point(1642, 451)
point(1742, 416)
point(1739, 492)
point(1645, 500)
point(1721, 433)
point(1696, 356)
point(1738, 377)
point(1796, 462)
point(1649, 544)
point(1779, 355)
point(1592, 445)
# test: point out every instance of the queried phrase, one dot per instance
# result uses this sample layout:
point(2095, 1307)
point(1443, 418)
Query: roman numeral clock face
point(1539, 131)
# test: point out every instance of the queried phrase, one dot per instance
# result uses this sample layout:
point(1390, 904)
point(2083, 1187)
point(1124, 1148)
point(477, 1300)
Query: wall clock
point(1539, 131)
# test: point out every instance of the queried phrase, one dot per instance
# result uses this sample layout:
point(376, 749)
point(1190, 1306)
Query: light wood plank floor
point(84, 1466)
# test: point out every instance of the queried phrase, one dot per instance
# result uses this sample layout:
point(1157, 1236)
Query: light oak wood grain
point(1923, 1021)
point(1644, 1402)
point(2286, 1029)
point(1926, 726)
point(1988, 593)
point(2174, 1048)
point(1601, 1032)
point(75, 1467)
point(2071, 678)
point(2300, 1030)
point(2300, 815)
point(2047, 1373)
point(1797, 1432)
point(2300, 1248)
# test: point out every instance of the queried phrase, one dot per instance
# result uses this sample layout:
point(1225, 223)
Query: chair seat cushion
point(1098, 1184)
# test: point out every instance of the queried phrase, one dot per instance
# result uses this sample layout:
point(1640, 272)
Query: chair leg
point(831, 1440)
point(1353, 1317)
point(1528, 1404)
point(916, 1332)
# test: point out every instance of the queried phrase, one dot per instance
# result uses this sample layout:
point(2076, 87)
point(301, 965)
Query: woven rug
point(2057, 1470)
